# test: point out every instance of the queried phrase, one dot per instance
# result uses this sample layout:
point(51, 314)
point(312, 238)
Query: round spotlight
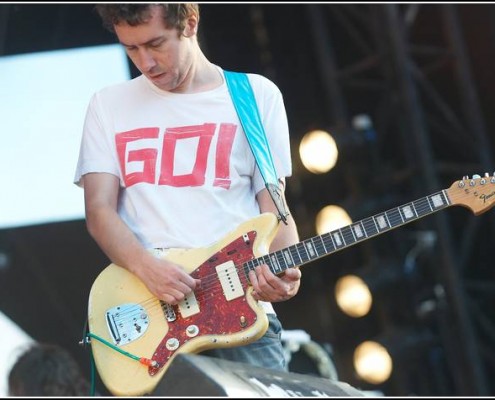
point(318, 151)
point(372, 362)
point(353, 296)
point(330, 218)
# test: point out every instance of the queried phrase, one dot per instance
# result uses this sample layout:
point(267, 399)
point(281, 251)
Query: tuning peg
point(476, 176)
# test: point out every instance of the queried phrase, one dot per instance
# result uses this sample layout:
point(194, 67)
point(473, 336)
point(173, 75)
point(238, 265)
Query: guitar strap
point(245, 104)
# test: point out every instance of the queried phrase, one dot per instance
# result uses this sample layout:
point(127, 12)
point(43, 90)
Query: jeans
point(266, 352)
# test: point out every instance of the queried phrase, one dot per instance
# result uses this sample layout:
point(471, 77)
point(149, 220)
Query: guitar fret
point(310, 248)
point(422, 207)
point(414, 209)
point(337, 239)
point(332, 240)
point(288, 257)
point(405, 212)
point(381, 222)
point(316, 247)
point(347, 235)
point(429, 203)
point(439, 200)
point(393, 218)
point(359, 230)
point(352, 233)
point(376, 226)
point(282, 260)
point(387, 218)
point(445, 198)
point(278, 260)
point(303, 251)
point(326, 243)
point(265, 260)
point(323, 244)
point(371, 227)
point(320, 246)
point(249, 266)
point(295, 252)
point(275, 265)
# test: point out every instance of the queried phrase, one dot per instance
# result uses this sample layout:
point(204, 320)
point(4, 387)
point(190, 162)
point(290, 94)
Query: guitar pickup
point(189, 306)
point(229, 279)
point(169, 312)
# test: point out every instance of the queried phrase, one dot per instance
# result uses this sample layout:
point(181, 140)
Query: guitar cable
point(83, 342)
point(86, 339)
point(143, 360)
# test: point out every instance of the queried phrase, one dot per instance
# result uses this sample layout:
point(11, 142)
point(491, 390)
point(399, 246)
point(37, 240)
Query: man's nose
point(145, 60)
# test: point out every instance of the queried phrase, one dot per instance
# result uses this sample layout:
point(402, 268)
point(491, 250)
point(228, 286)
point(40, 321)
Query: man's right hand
point(167, 281)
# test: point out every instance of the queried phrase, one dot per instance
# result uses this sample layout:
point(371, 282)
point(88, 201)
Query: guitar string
point(422, 207)
point(214, 289)
point(210, 282)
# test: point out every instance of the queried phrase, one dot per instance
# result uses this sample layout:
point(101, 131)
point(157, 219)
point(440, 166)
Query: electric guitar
point(134, 336)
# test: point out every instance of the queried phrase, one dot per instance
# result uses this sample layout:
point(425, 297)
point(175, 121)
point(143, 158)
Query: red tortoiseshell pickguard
point(217, 316)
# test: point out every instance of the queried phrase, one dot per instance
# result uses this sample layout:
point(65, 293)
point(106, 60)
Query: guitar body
point(221, 313)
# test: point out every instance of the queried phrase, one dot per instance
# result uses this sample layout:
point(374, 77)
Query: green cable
point(142, 360)
point(114, 347)
point(93, 376)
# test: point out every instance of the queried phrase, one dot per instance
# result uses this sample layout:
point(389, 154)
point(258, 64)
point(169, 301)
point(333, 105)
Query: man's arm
point(267, 286)
point(166, 280)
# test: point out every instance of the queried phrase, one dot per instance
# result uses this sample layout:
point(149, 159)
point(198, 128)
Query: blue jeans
point(266, 352)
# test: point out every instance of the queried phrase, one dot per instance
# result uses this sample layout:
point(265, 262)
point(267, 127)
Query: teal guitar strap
point(245, 104)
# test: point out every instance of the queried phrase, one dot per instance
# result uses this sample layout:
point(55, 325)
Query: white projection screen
point(43, 99)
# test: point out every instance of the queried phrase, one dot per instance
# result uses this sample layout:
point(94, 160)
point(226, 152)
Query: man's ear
point(191, 27)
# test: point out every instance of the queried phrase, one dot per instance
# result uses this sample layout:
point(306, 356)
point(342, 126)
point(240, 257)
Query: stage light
point(330, 218)
point(355, 293)
point(318, 151)
point(372, 362)
point(375, 359)
point(353, 296)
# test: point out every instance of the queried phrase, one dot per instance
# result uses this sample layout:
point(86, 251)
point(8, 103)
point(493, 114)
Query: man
point(164, 163)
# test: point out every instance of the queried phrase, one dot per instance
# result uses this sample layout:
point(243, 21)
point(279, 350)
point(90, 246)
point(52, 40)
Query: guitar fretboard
point(327, 243)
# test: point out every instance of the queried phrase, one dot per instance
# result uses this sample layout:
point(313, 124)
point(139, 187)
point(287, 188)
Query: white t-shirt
point(189, 174)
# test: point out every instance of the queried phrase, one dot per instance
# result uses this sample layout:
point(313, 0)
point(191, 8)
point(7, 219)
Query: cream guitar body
point(126, 322)
point(222, 313)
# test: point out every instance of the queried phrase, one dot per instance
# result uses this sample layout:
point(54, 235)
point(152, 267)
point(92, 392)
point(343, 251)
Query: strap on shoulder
point(245, 104)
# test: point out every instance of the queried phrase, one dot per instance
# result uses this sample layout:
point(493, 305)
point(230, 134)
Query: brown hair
point(174, 14)
point(45, 369)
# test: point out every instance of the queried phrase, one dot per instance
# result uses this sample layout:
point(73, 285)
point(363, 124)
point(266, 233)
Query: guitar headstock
point(476, 193)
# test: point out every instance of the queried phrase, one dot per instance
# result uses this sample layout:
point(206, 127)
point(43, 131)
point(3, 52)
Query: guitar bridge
point(126, 323)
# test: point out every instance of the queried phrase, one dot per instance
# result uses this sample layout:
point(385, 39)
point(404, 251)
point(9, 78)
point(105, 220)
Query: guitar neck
point(331, 242)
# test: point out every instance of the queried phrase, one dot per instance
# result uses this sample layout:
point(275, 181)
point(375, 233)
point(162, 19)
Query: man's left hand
point(274, 288)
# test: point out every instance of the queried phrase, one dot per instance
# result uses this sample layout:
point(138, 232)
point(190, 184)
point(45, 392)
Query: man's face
point(160, 54)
